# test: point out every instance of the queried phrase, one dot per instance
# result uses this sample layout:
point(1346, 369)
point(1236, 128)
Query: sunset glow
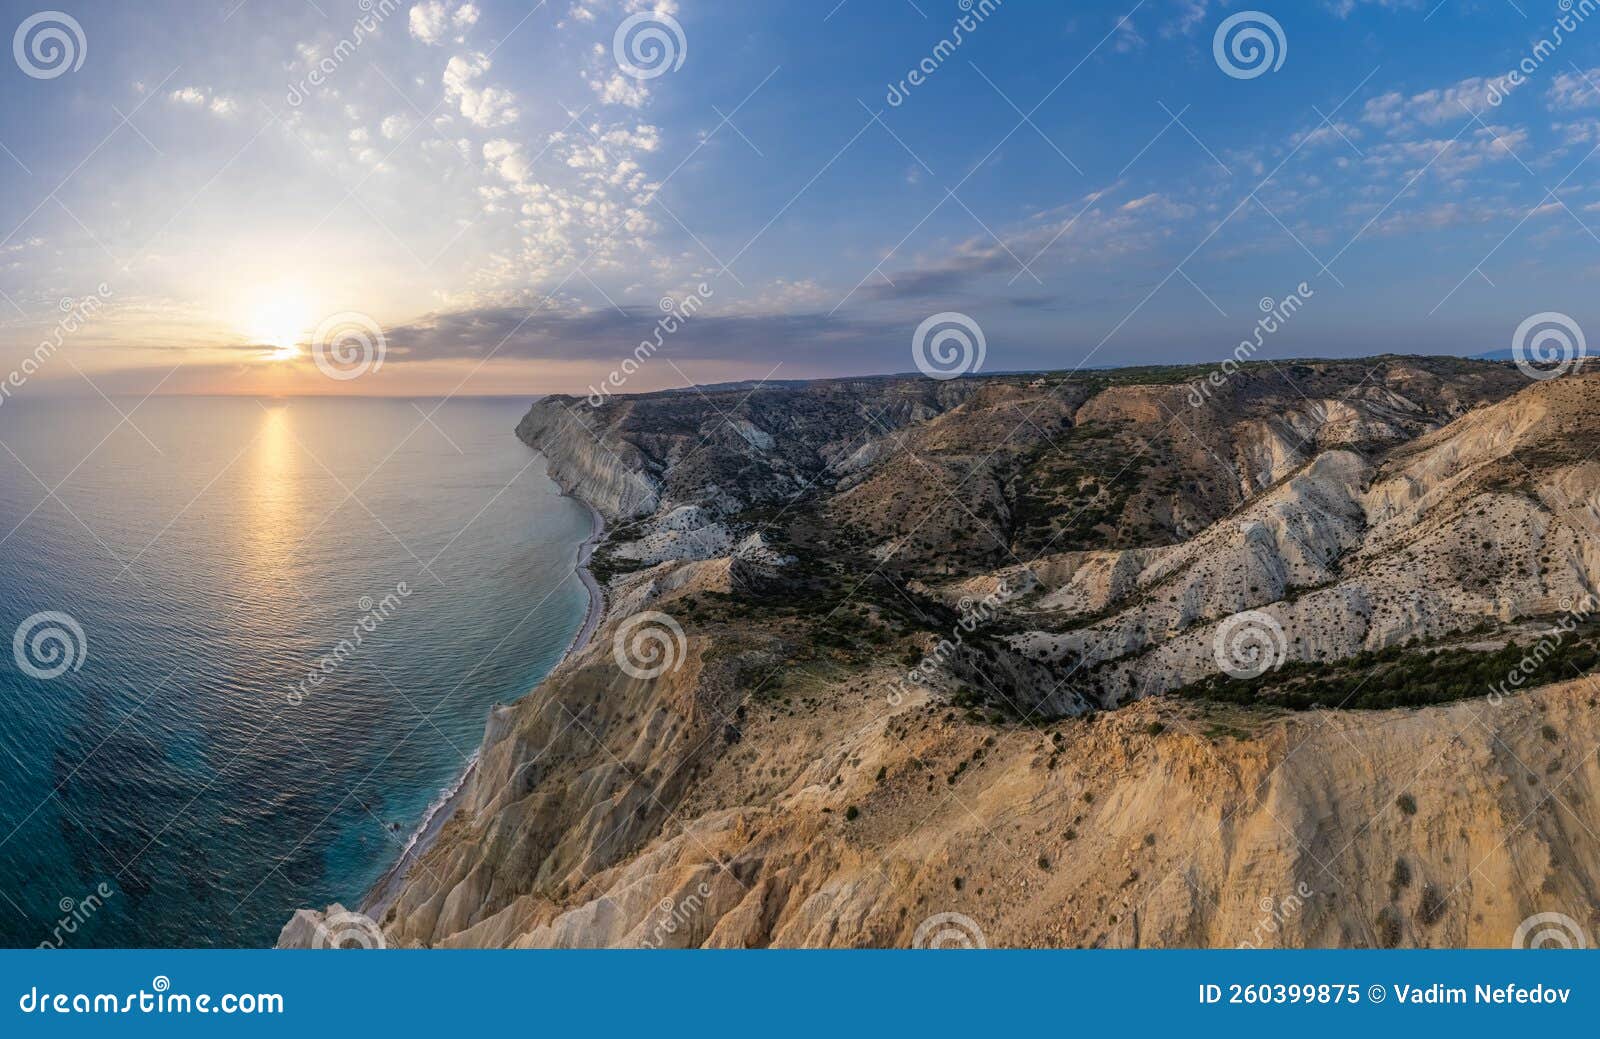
point(515, 207)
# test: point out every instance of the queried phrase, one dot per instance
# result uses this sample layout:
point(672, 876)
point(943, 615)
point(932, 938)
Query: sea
point(246, 645)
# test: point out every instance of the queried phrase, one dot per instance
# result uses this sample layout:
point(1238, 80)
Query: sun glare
point(282, 320)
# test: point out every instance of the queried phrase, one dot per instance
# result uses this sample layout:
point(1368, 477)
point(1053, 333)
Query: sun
point(282, 321)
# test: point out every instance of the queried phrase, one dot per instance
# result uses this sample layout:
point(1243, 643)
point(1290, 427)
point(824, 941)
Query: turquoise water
point(296, 614)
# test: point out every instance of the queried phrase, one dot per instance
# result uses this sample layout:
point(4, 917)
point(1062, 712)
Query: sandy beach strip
point(387, 889)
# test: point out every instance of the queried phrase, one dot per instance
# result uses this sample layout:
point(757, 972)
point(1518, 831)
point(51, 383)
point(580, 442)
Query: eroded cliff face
point(611, 476)
point(881, 650)
point(623, 813)
point(1489, 521)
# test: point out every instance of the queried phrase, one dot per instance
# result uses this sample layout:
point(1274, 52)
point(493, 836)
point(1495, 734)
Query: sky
point(511, 196)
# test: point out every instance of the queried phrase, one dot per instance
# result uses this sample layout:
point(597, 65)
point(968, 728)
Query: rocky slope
point(881, 650)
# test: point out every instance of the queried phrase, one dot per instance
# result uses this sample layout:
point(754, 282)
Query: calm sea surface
point(222, 559)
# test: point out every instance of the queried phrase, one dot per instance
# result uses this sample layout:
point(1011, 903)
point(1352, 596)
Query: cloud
point(394, 127)
point(607, 335)
point(432, 20)
point(202, 97)
point(1578, 89)
point(1450, 158)
point(610, 85)
point(1090, 229)
point(506, 158)
point(484, 106)
point(1190, 13)
point(1397, 113)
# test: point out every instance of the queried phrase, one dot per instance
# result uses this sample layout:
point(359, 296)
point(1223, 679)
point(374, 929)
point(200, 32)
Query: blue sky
point(508, 206)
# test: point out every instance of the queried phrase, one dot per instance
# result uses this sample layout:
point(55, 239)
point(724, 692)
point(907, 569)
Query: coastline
point(382, 896)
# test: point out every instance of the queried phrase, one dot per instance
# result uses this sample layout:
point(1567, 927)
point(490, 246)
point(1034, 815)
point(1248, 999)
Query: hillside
point(880, 650)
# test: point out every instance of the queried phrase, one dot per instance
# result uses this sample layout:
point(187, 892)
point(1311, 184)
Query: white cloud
point(506, 158)
point(202, 97)
point(394, 127)
point(617, 89)
point(1577, 89)
point(481, 105)
point(610, 85)
point(431, 20)
point(1395, 112)
point(1450, 158)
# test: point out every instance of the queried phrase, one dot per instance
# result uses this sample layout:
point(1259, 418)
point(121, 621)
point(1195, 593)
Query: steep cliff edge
point(848, 678)
point(1153, 826)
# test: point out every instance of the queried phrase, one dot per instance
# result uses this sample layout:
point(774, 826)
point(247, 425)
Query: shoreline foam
point(383, 894)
